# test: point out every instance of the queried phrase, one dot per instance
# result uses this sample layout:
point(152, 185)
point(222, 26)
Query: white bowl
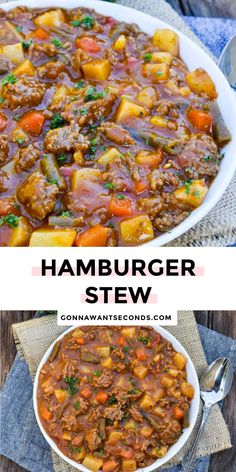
point(194, 57)
point(194, 408)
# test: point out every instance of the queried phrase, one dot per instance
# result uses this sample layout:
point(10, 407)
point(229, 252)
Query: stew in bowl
point(116, 398)
point(107, 139)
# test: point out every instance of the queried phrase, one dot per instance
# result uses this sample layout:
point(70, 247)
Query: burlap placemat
point(34, 337)
point(218, 228)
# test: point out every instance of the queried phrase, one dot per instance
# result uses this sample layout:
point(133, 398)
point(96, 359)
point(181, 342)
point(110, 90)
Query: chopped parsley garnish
point(57, 121)
point(111, 225)
point(77, 405)
point(126, 349)
point(92, 148)
point(93, 94)
point(44, 156)
point(26, 44)
point(83, 111)
point(144, 340)
point(71, 382)
point(20, 141)
point(87, 21)
point(120, 197)
point(19, 28)
point(112, 348)
point(61, 157)
point(57, 43)
point(159, 73)
point(16, 117)
point(147, 57)
point(80, 84)
point(208, 158)
point(187, 184)
point(222, 155)
point(109, 186)
point(75, 111)
point(53, 181)
point(112, 400)
point(10, 220)
point(166, 371)
point(9, 79)
point(133, 391)
point(197, 194)
point(66, 213)
point(97, 373)
point(1, 99)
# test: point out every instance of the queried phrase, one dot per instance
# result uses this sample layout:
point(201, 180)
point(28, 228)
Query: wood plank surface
point(210, 8)
point(221, 321)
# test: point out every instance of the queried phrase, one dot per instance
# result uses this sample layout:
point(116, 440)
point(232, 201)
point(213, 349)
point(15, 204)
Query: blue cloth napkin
point(21, 439)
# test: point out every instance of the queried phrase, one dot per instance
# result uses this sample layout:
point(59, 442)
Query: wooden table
point(223, 322)
point(211, 8)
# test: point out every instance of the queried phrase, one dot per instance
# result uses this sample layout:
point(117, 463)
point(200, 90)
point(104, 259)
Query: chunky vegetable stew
point(114, 398)
point(106, 138)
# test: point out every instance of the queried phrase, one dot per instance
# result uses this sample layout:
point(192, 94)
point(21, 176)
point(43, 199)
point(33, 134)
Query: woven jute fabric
point(33, 338)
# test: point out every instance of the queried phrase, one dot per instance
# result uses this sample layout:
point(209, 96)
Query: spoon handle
point(188, 461)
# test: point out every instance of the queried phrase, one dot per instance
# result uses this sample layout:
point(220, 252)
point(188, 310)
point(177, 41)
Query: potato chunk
point(97, 69)
point(166, 40)
point(147, 402)
point(21, 234)
point(53, 18)
point(103, 351)
point(179, 360)
point(147, 96)
point(161, 57)
point(156, 72)
point(109, 155)
point(61, 395)
point(93, 175)
point(14, 52)
point(26, 68)
point(120, 43)
point(128, 109)
point(193, 193)
point(140, 371)
point(107, 363)
point(129, 332)
point(187, 390)
point(114, 437)
point(201, 83)
point(53, 238)
point(136, 230)
point(92, 463)
point(129, 465)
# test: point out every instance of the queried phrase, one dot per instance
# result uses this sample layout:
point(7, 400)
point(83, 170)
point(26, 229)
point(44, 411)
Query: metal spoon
point(227, 61)
point(215, 383)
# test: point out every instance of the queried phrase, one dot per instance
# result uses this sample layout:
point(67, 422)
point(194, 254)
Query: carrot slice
point(178, 413)
point(32, 122)
point(46, 414)
point(109, 466)
point(3, 122)
point(200, 119)
point(94, 237)
point(101, 397)
point(121, 341)
point(86, 392)
point(41, 34)
point(141, 354)
point(140, 187)
point(120, 207)
point(80, 341)
point(87, 44)
point(127, 453)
